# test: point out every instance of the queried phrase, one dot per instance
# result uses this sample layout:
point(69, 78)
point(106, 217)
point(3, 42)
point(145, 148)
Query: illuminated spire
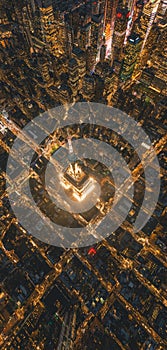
point(71, 155)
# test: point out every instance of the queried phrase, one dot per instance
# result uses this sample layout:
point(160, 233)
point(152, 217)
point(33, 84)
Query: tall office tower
point(91, 54)
point(74, 20)
point(19, 19)
point(132, 51)
point(147, 19)
point(111, 9)
point(148, 31)
point(109, 16)
point(69, 39)
point(151, 45)
point(80, 57)
point(120, 27)
point(97, 29)
point(85, 36)
point(158, 58)
point(73, 76)
point(131, 5)
point(53, 29)
point(97, 33)
point(44, 68)
point(88, 88)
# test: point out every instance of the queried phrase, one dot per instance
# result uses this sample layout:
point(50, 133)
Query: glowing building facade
point(132, 50)
point(147, 19)
point(120, 27)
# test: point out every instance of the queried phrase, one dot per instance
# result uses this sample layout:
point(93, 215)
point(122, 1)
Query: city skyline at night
point(83, 86)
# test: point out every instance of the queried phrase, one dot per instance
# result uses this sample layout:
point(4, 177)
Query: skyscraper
point(109, 15)
point(120, 27)
point(88, 89)
point(80, 57)
point(85, 36)
point(132, 51)
point(73, 76)
point(97, 33)
point(147, 19)
point(53, 29)
point(158, 57)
